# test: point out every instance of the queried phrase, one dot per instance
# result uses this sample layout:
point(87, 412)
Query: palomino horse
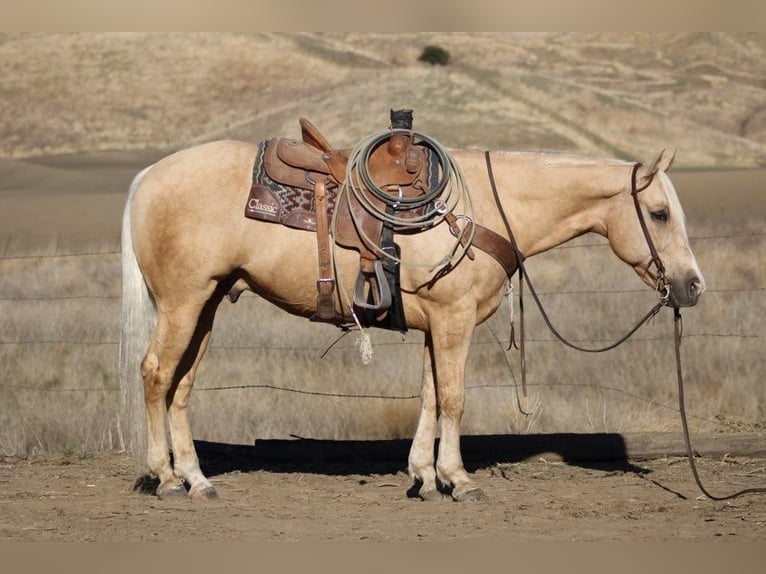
point(186, 245)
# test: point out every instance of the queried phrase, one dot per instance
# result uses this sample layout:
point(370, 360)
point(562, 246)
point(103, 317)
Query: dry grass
point(55, 394)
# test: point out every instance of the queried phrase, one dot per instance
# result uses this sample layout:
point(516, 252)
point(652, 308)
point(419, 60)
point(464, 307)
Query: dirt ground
point(92, 498)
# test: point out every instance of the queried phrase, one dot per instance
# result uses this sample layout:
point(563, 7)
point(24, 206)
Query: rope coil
point(450, 191)
point(365, 152)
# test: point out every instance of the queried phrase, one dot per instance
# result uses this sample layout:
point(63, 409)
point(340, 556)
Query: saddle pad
point(272, 201)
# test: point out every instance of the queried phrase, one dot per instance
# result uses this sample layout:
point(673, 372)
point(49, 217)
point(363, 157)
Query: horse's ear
point(667, 160)
point(646, 172)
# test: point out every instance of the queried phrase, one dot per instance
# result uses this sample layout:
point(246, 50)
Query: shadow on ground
point(601, 451)
point(605, 451)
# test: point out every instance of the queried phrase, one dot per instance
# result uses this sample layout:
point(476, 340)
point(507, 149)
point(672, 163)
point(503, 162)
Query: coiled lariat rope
point(451, 190)
point(446, 195)
point(368, 146)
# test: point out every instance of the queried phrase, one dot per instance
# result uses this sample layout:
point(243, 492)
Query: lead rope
point(677, 334)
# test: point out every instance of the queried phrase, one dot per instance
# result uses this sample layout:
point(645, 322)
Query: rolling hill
point(616, 94)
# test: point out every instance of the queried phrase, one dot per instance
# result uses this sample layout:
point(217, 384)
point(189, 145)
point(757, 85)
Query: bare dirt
point(93, 498)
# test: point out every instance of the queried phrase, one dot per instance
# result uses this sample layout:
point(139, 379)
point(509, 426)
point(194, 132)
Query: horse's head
point(657, 247)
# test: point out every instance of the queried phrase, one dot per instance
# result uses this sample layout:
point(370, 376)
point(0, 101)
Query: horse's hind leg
point(185, 461)
point(173, 336)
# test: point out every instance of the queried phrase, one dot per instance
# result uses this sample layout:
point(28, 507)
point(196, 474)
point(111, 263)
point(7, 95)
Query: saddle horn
point(400, 120)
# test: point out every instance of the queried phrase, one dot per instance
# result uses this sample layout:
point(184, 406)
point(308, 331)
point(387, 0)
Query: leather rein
point(663, 287)
point(524, 278)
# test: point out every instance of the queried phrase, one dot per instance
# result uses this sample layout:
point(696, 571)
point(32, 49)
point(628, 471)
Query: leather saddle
point(397, 165)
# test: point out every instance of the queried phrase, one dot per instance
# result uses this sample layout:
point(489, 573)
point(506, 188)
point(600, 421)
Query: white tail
point(137, 323)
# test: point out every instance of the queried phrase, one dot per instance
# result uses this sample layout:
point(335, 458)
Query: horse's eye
point(661, 216)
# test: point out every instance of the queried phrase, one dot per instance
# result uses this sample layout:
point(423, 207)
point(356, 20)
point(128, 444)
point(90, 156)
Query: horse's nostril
point(695, 288)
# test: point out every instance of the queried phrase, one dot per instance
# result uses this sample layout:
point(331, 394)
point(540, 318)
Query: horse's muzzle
point(686, 293)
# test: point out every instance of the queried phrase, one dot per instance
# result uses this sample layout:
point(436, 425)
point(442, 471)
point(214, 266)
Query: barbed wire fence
point(26, 345)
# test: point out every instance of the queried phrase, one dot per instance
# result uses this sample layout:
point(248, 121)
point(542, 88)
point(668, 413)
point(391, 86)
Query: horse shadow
point(601, 451)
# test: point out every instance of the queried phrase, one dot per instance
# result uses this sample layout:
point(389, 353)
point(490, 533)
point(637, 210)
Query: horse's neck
point(552, 198)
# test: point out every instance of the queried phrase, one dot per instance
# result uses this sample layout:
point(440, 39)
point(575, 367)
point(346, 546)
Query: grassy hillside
point(616, 94)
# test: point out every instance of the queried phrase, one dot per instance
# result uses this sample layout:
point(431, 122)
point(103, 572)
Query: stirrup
point(325, 301)
point(384, 291)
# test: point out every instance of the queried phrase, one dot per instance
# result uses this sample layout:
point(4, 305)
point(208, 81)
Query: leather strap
point(496, 246)
point(634, 191)
point(463, 235)
point(520, 264)
point(499, 204)
point(326, 283)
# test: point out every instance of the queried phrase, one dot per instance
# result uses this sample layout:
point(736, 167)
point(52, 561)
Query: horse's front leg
point(451, 341)
point(421, 460)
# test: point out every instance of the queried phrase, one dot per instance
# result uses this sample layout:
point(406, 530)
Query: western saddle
point(297, 182)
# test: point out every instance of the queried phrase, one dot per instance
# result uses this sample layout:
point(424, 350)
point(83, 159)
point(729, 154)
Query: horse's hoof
point(432, 495)
point(202, 494)
point(473, 495)
point(173, 491)
point(146, 484)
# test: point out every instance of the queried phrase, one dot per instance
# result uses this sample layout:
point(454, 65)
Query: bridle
point(663, 288)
